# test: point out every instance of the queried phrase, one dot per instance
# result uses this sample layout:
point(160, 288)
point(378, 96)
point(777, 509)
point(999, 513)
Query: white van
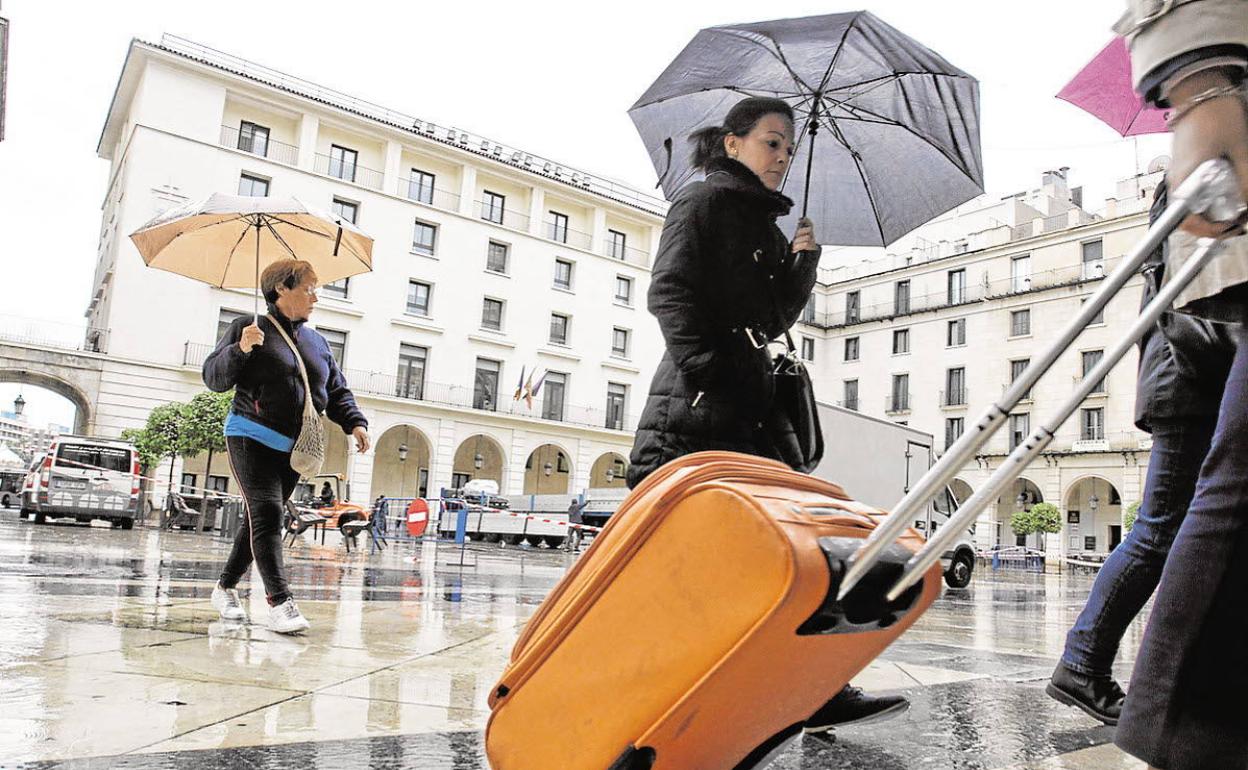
point(87, 478)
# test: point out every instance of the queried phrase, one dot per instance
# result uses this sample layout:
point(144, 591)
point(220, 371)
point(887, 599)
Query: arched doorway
point(401, 463)
point(1093, 511)
point(1020, 496)
point(548, 471)
point(44, 400)
point(608, 472)
point(479, 457)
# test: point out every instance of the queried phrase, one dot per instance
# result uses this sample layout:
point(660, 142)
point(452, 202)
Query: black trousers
point(266, 480)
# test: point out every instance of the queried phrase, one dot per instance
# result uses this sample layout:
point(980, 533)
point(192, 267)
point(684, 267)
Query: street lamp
point(478, 461)
point(610, 475)
point(548, 469)
point(19, 404)
point(402, 453)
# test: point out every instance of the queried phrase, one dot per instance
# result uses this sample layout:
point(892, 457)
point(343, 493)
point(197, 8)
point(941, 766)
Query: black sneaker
point(852, 706)
point(1098, 696)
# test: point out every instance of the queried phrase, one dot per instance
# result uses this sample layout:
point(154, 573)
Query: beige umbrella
point(226, 240)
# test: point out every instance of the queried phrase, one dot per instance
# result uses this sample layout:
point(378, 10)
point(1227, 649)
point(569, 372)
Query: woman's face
point(296, 304)
point(766, 150)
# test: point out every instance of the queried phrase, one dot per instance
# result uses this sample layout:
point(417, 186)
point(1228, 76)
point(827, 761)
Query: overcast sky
point(555, 78)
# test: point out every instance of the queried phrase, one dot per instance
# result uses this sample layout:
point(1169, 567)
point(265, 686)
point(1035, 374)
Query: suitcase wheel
point(771, 749)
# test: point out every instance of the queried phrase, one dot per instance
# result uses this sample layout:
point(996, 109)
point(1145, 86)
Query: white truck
point(875, 461)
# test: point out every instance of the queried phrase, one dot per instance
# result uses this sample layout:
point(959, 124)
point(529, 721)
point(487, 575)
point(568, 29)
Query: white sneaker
point(285, 618)
point(225, 601)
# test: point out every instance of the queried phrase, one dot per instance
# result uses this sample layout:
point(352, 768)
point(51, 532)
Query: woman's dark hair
point(708, 143)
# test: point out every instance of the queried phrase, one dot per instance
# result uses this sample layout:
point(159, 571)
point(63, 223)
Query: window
point(420, 186)
point(808, 312)
point(410, 381)
point(424, 238)
point(492, 207)
point(485, 384)
point(563, 274)
point(340, 288)
point(559, 328)
point(851, 395)
point(188, 484)
point(492, 314)
point(557, 227)
point(617, 244)
point(853, 307)
point(1090, 360)
point(851, 348)
point(1016, 370)
point(957, 287)
point(900, 401)
point(555, 388)
point(901, 341)
point(253, 138)
point(1092, 424)
point(255, 186)
point(808, 349)
point(342, 162)
point(955, 387)
point(1020, 323)
point(619, 342)
point(337, 344)
point(617, 395)
point(953, 430)
point(901, 298)
point(496, 257)
point(956, 333)
point(345, 210)
point(227, 317)
point(1020, 273)
point(1099, 318)
point(418, 296)
point(624, 289)
point(1093, 260)
point(1020, 428)
point(1089, 542)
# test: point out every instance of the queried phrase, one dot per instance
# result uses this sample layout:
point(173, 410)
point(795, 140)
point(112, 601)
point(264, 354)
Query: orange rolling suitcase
point(702, 627)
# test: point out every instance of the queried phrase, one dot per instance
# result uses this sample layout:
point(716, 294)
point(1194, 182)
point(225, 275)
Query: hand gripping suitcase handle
point(1211, 190)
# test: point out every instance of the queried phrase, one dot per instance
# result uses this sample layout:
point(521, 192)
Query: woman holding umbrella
point(726, 281)
point(256, 360)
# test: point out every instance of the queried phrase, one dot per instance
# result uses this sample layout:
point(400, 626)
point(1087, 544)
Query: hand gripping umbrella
point(226, 240)
point(888, 131)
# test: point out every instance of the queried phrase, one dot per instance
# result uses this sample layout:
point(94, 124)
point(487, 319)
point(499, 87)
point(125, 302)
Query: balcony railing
point(437, 197)
point(348, 172)
point(465, 396)
point(505, 216)
point(195, 353)
point(558, 234)
point(629, 254)
point(53, 334)
point(897, 403)
point(956, 397)
point(278, 152)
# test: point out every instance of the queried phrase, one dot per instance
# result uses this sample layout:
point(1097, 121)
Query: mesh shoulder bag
point(308, 454)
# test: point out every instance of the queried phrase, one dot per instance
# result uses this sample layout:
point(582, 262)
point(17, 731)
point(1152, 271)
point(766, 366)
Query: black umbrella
point(888, 130)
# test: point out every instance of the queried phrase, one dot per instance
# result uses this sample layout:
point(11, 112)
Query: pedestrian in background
point(257, 361)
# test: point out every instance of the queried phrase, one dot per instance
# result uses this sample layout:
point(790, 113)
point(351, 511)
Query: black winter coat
point(723, 266)
point(267, 386)
point(1184, 360)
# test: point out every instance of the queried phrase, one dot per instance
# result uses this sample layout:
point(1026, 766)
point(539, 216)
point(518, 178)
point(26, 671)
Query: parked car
point(11, 488)
point(85, 478)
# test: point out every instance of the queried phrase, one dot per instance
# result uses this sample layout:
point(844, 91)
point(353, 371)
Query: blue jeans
point(1132, 571)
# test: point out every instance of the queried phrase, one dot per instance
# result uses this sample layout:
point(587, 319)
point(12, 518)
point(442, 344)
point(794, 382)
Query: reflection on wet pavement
point(111, 656)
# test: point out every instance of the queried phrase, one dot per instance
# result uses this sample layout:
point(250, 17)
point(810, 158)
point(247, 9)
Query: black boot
point(851, 706)
point(1098, 696)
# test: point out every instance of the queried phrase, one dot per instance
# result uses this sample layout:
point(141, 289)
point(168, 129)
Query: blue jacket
point(266, 381)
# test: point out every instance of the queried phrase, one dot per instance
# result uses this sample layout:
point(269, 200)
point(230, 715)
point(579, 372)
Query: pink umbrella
point(1103, 88)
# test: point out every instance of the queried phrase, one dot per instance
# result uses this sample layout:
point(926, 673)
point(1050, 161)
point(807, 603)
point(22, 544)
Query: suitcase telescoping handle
point(1210, 190)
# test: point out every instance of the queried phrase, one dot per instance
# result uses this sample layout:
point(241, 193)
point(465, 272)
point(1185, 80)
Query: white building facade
point(489, 263)
point(931, 335)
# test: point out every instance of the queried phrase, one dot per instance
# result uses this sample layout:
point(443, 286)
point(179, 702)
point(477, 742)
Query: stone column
point(515, 468)
point(442, 461)
point(585, 456)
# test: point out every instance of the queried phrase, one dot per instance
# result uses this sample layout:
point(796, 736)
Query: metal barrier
point(1017, 558)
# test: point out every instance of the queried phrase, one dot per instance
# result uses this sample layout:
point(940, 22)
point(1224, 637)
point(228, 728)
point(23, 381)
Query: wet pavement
point(111, 656)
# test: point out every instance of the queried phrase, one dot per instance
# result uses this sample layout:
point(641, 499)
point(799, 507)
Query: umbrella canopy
point(888, 131)
point(227, 240)
point(1103, 88)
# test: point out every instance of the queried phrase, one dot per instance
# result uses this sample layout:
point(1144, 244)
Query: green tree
point(203, 426)
point(162, 436)
point(1041, 518)
point(1129, 517)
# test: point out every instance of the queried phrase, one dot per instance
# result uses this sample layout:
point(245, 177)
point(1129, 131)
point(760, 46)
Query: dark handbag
point(793, 423)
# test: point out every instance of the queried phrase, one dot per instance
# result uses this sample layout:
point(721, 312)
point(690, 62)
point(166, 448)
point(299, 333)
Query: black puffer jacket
point(1184, 360)
point(719, 252)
